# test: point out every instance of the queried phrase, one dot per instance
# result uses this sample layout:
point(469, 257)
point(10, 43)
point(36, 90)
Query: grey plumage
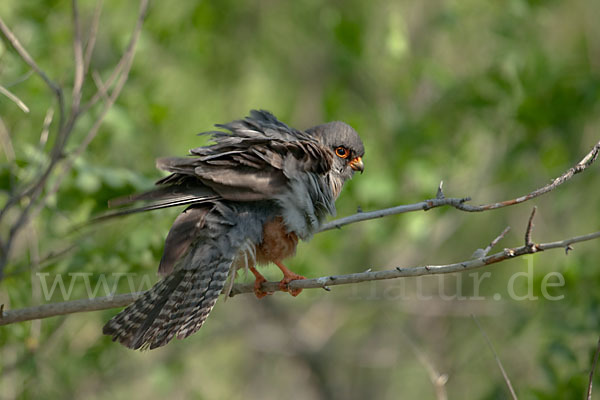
point(179, 304)
point(186, 228)
point(258, 170)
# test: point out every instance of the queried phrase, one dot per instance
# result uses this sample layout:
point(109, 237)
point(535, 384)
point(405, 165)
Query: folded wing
point(247, 162)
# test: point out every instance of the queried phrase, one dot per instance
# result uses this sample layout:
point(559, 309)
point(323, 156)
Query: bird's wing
point(250, 161)
point(184, 231)
point(247, 162)
point(183, 191)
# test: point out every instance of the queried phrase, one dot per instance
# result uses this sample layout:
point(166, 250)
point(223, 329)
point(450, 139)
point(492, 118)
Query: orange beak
point(357, 164)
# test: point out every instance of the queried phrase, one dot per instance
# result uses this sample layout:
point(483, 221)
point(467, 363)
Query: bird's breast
point(277, 242)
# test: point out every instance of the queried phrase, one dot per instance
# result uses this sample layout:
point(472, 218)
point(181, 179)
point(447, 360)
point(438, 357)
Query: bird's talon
point(259, 279)
point(258, 291)
point(283, 284)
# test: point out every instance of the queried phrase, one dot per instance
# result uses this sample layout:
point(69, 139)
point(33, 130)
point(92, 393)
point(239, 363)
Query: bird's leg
point(288, 276)
point(258, 292)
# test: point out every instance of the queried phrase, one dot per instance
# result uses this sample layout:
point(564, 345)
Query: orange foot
point(288, 276)
point(258, 292)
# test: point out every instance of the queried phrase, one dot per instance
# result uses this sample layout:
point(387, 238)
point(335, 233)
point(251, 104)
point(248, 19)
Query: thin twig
point(437, 379)
point(529, 230)
point(91, 42)
point(46, 127)
point(20, 79)
point(484, 252)
point(592, 372)
point(101, 86)
point(122, 64)
point(36, 293)
point(577, 168)
point(46, 259)
point(14, 99)
point(128, 57)
point(12, 39)
point(65, 129)
point(495, 241)
point(491, 346)
point(420, 206)
point(102, 303)
point(35, 189)
point(77, 60)
point(5, 141)
point(440, 191)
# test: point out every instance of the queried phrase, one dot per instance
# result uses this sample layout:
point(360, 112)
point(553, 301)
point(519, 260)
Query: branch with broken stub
point(479, 259)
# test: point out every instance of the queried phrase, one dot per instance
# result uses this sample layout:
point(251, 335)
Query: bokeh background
point(493, 98)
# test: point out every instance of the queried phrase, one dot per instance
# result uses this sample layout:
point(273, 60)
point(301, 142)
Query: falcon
point(252, 195)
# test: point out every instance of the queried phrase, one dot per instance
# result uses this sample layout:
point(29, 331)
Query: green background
point(493, 98)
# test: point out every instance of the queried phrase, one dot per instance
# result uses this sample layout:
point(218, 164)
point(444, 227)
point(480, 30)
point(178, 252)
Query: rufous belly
point(277, 244)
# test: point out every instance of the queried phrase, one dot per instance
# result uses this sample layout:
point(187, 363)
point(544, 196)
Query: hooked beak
point(357, 164)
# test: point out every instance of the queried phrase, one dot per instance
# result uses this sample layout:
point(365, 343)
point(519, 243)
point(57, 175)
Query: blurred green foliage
point(494, 98)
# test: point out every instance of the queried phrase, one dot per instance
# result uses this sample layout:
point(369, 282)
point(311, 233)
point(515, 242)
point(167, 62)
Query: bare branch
point(91, 42)
point(400, 272)
point(12, 39)
point(35, 190)
point(592, 372)
point(20, 79)
point(484, 252)
point(567, 242)
point(128, 60)
point(577, 168)
point(5, 142)
point(491, 346)
point(438, 380)
point(122, 65)
point(47, 258)
point(46, 127)
point(102, 303)
point(420, 206)
point(460, 203)
point(102, 87)
point(67, 307)
point(495, 241)
point(529, 230)
point(78, 61)
point(14, 99)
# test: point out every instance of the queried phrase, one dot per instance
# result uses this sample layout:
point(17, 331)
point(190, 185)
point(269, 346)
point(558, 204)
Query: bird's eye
point(342, 152)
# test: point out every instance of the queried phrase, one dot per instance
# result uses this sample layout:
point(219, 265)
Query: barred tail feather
point(124, 326)
point(176, 306)
point(202, 297)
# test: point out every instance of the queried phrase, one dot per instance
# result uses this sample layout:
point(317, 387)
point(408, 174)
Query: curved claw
point(283, 284)
point(259, 279)
point(288, 276)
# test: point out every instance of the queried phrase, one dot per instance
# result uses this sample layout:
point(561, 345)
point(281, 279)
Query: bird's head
point(345, 144)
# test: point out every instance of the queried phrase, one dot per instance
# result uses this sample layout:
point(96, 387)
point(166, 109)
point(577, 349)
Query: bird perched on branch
point(251, 196)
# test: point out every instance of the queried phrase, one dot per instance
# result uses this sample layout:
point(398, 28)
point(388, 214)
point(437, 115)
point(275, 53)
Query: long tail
point(176, 306)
